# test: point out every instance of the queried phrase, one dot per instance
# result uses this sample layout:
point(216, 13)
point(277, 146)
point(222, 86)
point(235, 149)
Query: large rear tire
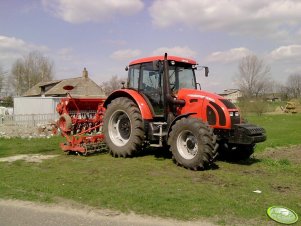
point(192, 143)
point(123, 127)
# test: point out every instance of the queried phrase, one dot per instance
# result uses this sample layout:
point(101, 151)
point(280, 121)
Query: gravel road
point(21, 213)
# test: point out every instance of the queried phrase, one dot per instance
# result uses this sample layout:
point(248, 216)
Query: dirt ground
point(26, 131)
point(33, 158)
point(293, 154)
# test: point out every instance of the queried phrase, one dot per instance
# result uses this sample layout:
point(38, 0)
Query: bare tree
point(253, 76)
point(113, 84)
point(283, 91)
point(30, 70)
point(2, 73)
point(4, 86)
point(293, 84)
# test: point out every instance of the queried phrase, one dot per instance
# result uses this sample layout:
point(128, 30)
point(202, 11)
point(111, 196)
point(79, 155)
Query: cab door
point(151, 86)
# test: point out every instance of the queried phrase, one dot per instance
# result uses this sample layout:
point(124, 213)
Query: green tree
point(8, 101)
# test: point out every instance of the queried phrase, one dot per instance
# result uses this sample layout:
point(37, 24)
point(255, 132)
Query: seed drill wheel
point(123, 127)
point(65, 123)
point(192, 143)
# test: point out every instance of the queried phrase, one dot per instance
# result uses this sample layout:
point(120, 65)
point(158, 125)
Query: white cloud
point(66, 54)
point(177, 50)
point(79, 11)
point(12, 48)
point(125, 54)
point(229, 56)
point(286, 53)
point(276, 18)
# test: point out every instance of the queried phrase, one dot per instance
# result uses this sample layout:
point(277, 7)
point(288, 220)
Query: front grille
point(221, 114)
point(235, 120)
point(228, 104)
point(211, 117)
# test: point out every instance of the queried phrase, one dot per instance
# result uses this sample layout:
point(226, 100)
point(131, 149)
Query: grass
point(151, 184)
point(16, 146)
point(282, 130)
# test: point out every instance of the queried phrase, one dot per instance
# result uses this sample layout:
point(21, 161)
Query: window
point(181, 77)
point(151, 79)
point(151, 87)
point(133, 81)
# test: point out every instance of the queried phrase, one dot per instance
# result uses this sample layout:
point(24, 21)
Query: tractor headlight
point(234, 113)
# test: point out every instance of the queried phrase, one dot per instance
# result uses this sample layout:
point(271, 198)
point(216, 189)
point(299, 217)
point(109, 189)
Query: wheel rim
point(119, 127)
point(62, 124)
point(187, 145)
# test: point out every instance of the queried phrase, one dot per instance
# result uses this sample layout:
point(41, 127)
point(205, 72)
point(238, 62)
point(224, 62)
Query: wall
point(35, 105)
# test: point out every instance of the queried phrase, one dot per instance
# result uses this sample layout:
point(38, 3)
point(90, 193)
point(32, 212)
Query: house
point(272, 97)
point(44, 97)
point(232, 94)
point(82, 87)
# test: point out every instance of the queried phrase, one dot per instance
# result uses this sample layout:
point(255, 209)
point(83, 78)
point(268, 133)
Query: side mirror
point(126, 68)
point(206, 71)
point(122, 83)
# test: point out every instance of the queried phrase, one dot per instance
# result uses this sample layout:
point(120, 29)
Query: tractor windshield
point(181, 76)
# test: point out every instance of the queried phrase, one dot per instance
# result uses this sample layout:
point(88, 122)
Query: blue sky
point(105, 35)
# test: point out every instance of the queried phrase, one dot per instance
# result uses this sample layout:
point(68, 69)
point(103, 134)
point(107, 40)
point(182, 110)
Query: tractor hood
point(210, 107)
point(198, 94)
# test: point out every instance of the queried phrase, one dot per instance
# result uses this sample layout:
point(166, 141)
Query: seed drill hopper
point(80, 122)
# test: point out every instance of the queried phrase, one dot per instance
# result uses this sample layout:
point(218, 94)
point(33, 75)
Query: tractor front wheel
point(192, 143)
point(123, 127)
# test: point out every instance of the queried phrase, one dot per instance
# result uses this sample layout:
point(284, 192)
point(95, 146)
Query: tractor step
point(160, 134)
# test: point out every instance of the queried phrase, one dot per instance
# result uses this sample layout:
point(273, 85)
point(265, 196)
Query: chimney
point(85, 73)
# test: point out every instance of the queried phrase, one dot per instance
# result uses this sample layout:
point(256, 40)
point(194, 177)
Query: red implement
point(80, 122)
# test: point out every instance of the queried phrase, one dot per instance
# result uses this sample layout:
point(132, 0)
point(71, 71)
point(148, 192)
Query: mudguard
point(136, 97)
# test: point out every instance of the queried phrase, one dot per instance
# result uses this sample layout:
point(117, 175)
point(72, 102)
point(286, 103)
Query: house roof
point(36, 89)
point(49, 83)
point(83, 87)
point(229, 91)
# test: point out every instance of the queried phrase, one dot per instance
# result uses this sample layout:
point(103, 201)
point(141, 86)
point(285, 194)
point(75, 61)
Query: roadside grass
point(16, 146)
point(151, 184)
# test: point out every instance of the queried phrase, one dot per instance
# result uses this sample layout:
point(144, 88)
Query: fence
point(28, 120)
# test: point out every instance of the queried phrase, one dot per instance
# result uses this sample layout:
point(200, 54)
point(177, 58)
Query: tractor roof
point(153, 58)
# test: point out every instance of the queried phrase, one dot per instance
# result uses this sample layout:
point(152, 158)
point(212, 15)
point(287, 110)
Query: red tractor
point(162, 106)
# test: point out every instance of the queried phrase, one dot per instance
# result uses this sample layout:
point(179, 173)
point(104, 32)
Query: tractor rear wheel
point(123, 127)
point(192, 143)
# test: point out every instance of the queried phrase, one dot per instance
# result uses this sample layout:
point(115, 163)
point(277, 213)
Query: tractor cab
point(158, 80)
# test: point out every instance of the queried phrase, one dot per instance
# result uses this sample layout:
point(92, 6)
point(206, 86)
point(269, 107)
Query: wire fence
point(28, 120)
